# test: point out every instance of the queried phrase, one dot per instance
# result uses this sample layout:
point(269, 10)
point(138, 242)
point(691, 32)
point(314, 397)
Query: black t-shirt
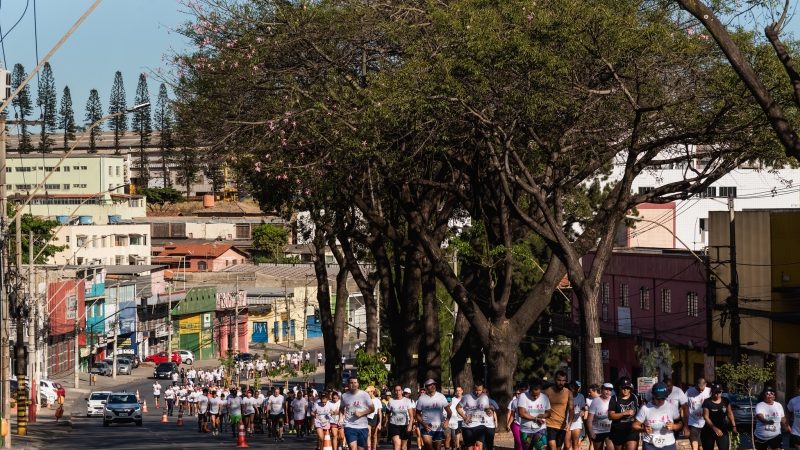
point(618, 405)
point(718, 413)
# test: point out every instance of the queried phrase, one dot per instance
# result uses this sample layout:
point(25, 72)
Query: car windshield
point(99, 396)
point(100, 365)
point(165, 366)
point(121, 398)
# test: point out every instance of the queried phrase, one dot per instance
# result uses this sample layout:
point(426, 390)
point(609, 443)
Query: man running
point(561, 413)
point(276, 407)
point(234, 405)
point(433, 410)
point(202, 411)
point(248, 411)
point(157, 392)
point(214, 404)
point(452, 437)
point(695, 397)
point(473, 409)
point(299, 409)
point(356, 406)
point(598, 424)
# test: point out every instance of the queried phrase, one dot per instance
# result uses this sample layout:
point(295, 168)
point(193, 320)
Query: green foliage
point(307, 369)
point(270, 239)
point(66, 117)
point(744, 378)
point(652, 359)
point(163, 122)
point(161, 196)
point(142, 125)
point(43, 234)
point(23, 106)
point(228, 362)
point(46, 100)
point(94, 112)
point(117, 104)
point(371, 368)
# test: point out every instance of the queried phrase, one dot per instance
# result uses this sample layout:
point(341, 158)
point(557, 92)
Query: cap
point(407, 390)
point(716, 387)
point(769, 389)
point(429, 382)
point(608, 386)
point(625, 383)
point(659, 391)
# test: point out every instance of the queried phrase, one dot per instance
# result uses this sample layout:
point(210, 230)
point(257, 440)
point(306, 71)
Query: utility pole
point(32, 317)
point(22, 364)
point(76, 348)
point(116, 331)
point(5, 357)
point(169, 321)
point(236, 318)
point(733, 300)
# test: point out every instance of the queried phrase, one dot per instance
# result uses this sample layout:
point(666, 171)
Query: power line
point(3, 36)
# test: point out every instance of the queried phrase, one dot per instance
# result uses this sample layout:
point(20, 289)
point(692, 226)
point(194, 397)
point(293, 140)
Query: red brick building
point(203, 257)
point(66, 318)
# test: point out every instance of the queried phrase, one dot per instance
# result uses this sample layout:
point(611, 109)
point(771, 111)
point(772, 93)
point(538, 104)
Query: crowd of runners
point(558, 415)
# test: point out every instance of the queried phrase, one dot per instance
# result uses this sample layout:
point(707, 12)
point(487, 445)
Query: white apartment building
point(688, 219)
point(118, 244)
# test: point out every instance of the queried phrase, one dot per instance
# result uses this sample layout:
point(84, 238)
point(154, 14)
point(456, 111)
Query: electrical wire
point(3, 36)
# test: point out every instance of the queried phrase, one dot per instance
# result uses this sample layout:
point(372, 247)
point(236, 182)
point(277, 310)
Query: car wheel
point(105, 423)
point(138, 423)
point(189, 361)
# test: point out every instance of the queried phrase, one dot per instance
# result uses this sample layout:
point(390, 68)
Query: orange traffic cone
point(180, 419)
point(144, 406)
point(326, 444)
point(164, 416)
point(241, 442)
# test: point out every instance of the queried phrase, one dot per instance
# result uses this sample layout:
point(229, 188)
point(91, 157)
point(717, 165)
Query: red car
point(162, 357)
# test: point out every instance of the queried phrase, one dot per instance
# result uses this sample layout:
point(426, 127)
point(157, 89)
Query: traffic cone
point(241, 442)
point(164, 416)
point(137, 396)
point(327, 444)
point(144, 406)
point(180, 419)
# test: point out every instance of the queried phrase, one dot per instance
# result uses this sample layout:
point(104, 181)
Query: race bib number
point(398, 419)
point(324, 420)
point(659, 441)
point(770, 427)
point(436, 426)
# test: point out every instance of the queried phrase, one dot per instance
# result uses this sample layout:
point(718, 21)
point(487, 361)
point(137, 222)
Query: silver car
point(122, 407)
point(124, 366)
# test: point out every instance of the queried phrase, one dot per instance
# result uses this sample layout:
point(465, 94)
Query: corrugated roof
point(212, 249)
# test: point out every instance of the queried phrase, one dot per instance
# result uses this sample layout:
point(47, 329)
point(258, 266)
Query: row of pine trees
point(55, 118)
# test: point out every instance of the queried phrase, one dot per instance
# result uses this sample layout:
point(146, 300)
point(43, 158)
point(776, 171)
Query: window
point(243, 231)
point(66, 168)
point(110, 170)
point(644, 299)
point(80, 241)
point(727, 191)
point(137, 239)
point(94, 241)
point(52, 186)
point(117, 170)
point(76, 167)
point(702, 224)
point(710, 191)
point(604, 302)
point(120, 260)
point(623, 296)
point(645, 189)
point(121, 240)
point(691, 304)
point(65, 187)
point(666, 301)
point(24, 187)
point(201, 265)
point(83, 167)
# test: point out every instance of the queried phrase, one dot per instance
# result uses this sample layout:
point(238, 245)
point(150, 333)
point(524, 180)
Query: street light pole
point(116, 324)
point(169, 321)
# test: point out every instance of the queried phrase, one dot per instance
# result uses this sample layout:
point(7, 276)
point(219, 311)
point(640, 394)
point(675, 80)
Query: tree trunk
point(591, 330)
point(167, 180)
point(333, 354)
point(366, 284)
point(501, 359)
point(409, 314)
point(460, 361)
point(340, 316)
point(432, 356)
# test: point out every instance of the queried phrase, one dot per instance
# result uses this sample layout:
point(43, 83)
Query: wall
point(85, 174)
point(65, 306)
point(99, 248)
point(647, 234)
point(229, 258)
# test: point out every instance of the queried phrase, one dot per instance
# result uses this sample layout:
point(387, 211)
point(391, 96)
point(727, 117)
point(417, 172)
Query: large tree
point(94, 112)
point(66, 117)
point(163, 121)
point(117, 104)
point(23, 107)
point(142, 124)
point(47, 102)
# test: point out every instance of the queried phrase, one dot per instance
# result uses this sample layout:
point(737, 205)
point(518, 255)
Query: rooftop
point(212, 249)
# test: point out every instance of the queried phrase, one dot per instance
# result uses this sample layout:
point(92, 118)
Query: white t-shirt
point(323, 414)
point(398, 411)
point(353, 403)
point(657, 418)
point(578, 403)
point(202, 404)
point(156, 389)
point(773, 412)
point(473, 408)
point(275, 404)
point(431, 408)
point(794, 407)
point(490, 422)
point(601, 423)
point(535, 407)
point(299, 406)
point(512, 406)
point(335, 413)
point(249, 405)
point(214, 404)
point(676, 398)
point(454, 418)
point(377, 406)
point(695, 400)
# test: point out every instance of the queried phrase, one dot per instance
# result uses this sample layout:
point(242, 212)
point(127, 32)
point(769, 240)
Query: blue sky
point(132, 36)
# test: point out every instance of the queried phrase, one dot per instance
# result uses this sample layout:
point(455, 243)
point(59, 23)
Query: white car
point(48, 392)
point(95, 403)
point(187, 357)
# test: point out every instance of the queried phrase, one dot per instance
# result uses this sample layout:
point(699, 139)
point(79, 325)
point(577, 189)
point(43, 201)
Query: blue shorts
point(357, 435)
point(437, 435)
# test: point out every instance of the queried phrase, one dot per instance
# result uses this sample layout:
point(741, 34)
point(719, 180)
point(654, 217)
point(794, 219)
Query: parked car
point(244, 357)
point(49, 391)
point(124, 366)
point(186, 356)
point(95, 403)
point(162, 357)
point(744, 410)
point(133, 357)
point(122, 407)
point(165, 370)
point(101, 368)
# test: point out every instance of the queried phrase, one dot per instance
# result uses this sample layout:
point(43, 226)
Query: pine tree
point(119, 124)
point(163, 123)
point(94, 112)
point(47, 103)
point(66, 117)
point(24, 106)
point(142, 124)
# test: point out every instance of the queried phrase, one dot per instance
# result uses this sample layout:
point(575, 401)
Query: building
point(210, 256)
point(230, 323)
point(767, 246)
point(650, 296)
point(193, 319)
point(196, 229)
point(117, 244)
point(65, 321)
point(78, 174)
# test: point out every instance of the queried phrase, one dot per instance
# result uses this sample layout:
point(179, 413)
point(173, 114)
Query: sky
point(132, 36)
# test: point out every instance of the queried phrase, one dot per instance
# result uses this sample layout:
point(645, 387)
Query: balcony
point(95, 290)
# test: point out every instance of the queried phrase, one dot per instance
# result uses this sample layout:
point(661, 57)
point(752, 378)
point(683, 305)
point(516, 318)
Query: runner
point(573, 441)
point(513, 415)
point(213, 412)
point(491, 423)
point(401, 413)
point(561, 413)
point(234, 406)
point(248, 411)
point(432, 410)
point(299, 408)
point(598, 424)
point(356, 405)
point(718, 420)
point(374, 419)
point(276, 407)
point(452, 438)
point(169, 396)
point(157, 392)
point(695, 397)
point(793, 417)
point(202, 411)
point(657, 420)
point(337, 433)
point(770, 421)
point(622, 411)
point(677, 398)
point(533, 408)
point(322, 412)
point(473, 408)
